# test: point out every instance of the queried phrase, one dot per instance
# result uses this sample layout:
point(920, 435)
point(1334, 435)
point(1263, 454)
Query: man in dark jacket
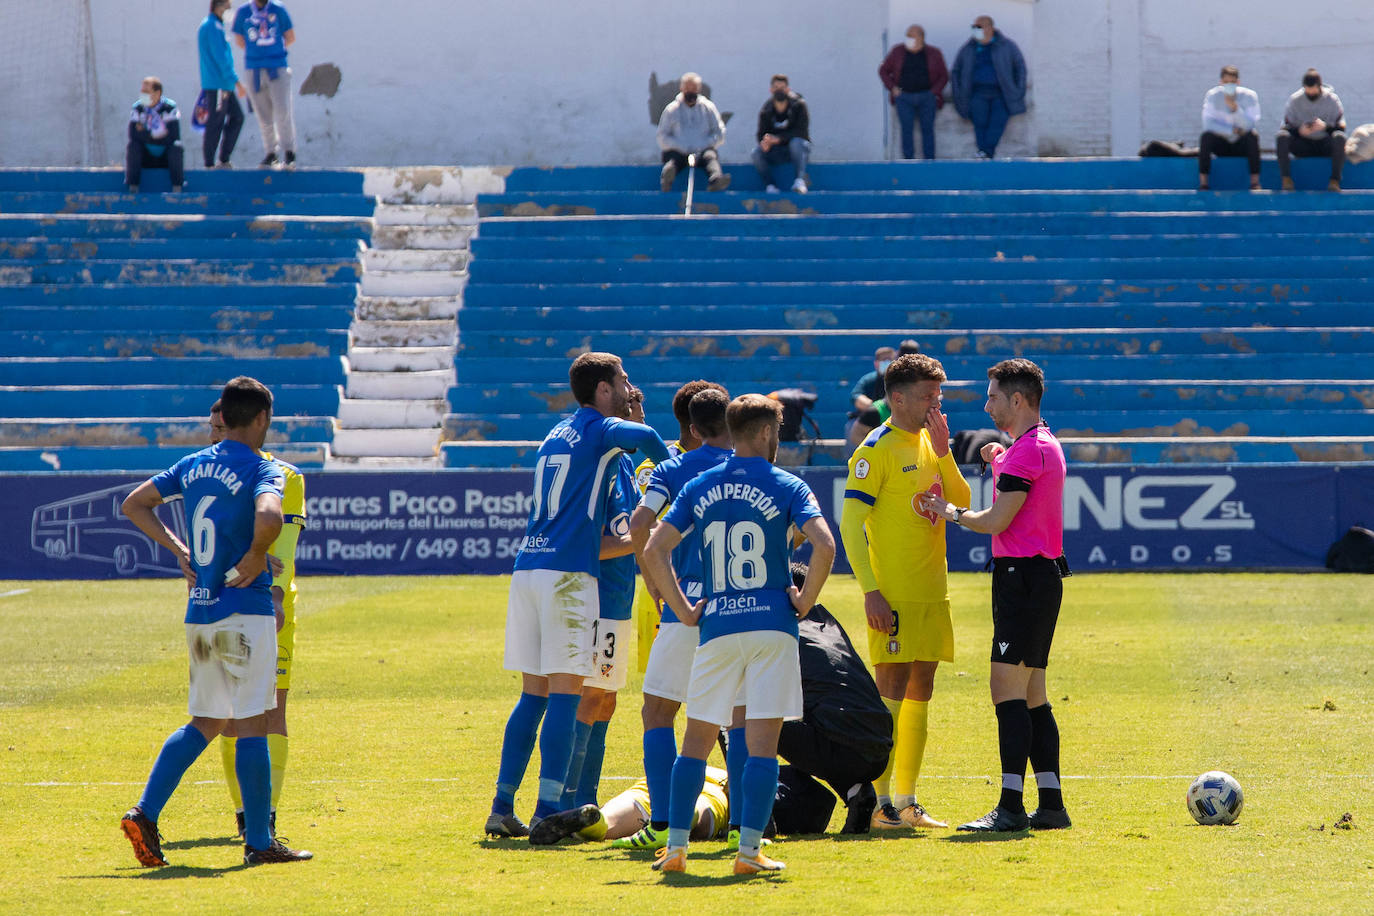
point(154, 137)
point(915, 76)
point(843, 738)
point(784, 134)
point(989, 81)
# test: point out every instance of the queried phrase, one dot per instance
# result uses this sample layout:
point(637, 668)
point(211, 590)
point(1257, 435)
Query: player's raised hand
point(275, 565)
point(933, 503)
point(878, 611)
point(990, 452)
point(937, 424)
point(249, 567)
point(184, 561)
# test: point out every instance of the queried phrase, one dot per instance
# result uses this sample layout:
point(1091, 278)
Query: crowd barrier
point(69, 526)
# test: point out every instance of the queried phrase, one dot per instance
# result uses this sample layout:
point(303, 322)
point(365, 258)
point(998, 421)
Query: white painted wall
point(526, 82)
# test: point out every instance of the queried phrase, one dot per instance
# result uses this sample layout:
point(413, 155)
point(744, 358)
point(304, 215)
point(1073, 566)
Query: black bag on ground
point(1168, 149)
point(1354, 552)
point(795, 403)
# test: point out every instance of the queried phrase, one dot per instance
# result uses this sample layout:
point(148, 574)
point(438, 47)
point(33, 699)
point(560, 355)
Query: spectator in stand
point(1229, 115)
point(869, 387)
point(784, 134)
point(691, 125)
point(1313, 125)
point(989, 81)
point(154, 137)
point(219, 83)
point(915, 76)
point(263, 29)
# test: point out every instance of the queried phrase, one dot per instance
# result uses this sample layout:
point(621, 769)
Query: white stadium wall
point(529, 82)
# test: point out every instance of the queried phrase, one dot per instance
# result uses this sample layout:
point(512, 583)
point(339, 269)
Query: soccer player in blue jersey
point(670, 659)
point(745, 512)
point(231, 497)
point(553, 593)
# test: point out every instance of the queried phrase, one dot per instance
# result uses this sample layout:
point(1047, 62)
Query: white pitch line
point(17, 591)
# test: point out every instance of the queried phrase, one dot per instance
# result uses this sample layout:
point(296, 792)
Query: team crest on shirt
point(861, 468)
point(642, 476)
point(938, 489)
point(894, 646)
point(606, 669)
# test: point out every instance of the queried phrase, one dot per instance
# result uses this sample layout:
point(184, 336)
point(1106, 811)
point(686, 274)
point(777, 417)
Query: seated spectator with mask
point(154, 137)
point(1313, 125)
point(784, 135)
point(1229, 115)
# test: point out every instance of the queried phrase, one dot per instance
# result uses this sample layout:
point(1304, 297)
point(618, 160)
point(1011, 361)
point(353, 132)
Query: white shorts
point(233, 666)
point(549, 622)
point(669, 671)
point(760, 670)
point(611, 654)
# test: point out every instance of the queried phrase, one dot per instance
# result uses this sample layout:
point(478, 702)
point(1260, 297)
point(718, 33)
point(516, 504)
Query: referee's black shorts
point(1026, 593)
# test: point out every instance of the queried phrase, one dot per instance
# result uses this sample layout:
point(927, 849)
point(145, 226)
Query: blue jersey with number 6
point(665, 483)
point(577, 460)
point(219, 487)
point(742, 511)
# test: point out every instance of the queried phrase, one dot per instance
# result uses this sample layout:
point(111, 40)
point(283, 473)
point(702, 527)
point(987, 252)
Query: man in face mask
point(154, 137)
point(1313, 125)
point(219, 84)
point(691, 125)
point(263, 29)
point(915, 75)
point(989, 81)
point(1229, 115)
point(783, 134)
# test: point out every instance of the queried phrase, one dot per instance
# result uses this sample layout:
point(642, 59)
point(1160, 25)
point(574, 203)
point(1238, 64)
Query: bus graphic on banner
point(92, 526)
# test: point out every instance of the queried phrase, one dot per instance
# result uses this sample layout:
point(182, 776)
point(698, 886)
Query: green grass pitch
point(399, 701)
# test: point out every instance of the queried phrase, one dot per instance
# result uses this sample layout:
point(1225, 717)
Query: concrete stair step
point(425, 215)
point(433, 184)
point(430, 238)
point(382, 463)
point(391, 413)
point(415, 259)
point(399, 359)
point(413, 282)
point(422, 333)
point(385, 443)
point(407, 308)
point(426, 385)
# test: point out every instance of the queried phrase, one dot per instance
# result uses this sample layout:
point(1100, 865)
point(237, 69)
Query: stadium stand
point(1174, 326)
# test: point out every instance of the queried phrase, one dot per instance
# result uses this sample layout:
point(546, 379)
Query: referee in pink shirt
point(1026, 521)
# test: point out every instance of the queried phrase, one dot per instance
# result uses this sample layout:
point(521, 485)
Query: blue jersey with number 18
point(219, 487)
point(742, 511)
point(577, 460)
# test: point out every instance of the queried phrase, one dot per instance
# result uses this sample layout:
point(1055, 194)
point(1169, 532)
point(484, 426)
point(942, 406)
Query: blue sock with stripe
point(582, 733)
point(590, 780)
point(522, 728)
point(660, 752)
point(179, 751)
point(253, 765)
point(760, 788)
point(555, 750)
point(689, 775)
point(736, 753)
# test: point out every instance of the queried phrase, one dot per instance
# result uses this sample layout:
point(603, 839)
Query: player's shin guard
point(231, 775)
point(582, 734)
point(760, 788)
point(254, 769)
point(555, 750)
point(179, 751)
point(910, 749)
point(736, 755)
point(689, 775)
point(277, 749)
point(883, 784)
point(590, 780)
point(1044, 757)
point(1013, 743)
point(660, 752)
point(522, 729)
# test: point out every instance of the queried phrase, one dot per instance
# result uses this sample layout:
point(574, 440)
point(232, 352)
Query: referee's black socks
point(1013, 742)
point(1044, 757)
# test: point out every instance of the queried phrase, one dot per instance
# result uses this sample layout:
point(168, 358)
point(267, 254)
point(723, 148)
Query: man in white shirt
point(1230, 113)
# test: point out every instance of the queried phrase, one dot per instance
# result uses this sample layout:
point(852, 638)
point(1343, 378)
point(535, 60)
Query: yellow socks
point(276, 748)
point(911, 748)
point(231, 776)
point(883, 784)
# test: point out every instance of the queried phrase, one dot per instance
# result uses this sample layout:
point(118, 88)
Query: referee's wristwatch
point(958, 514)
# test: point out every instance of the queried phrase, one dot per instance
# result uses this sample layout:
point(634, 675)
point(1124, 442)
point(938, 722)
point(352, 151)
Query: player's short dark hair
point(217, 407)
point(1312, 77)
point(780, 78)
point(588, 371)
point(1021, 375)
point(683, 399)
point(707, 411)
point(910, 345)
point(799, 571)
point(215, 3)
point(241, 401)
point(1230, 70)
point(748, 412)
point(911, 368)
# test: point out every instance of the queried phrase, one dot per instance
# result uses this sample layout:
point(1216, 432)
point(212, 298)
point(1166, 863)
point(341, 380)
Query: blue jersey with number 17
point(742, 511)
point(219, 487)
point(577, 461)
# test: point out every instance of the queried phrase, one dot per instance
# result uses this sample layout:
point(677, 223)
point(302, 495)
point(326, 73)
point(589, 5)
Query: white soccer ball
point(1215, 798)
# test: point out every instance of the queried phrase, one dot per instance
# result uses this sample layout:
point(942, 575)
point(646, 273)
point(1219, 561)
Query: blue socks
point(521, 730)
point(582, 733)
point(179, 751)
point(555, 750)
point(660, 752)
point(689, 775)
point(590, 779)
point(253, 765)
point(736, 753)
point(760, 788)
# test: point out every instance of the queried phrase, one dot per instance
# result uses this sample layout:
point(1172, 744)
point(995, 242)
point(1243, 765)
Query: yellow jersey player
point(897, 551)
point(628, 812)
point(283, 568)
